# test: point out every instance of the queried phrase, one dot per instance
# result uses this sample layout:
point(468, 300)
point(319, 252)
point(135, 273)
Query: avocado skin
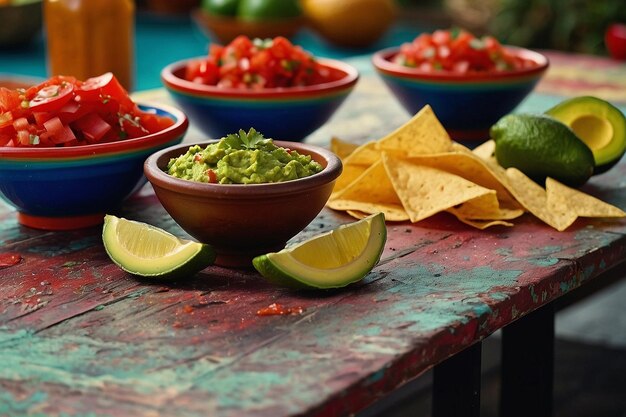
point(268, 9)
point(221, 7)
point(571, 109)
point(541, 146)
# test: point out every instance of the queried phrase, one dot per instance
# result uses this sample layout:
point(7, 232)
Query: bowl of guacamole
point(242, 158)
point(243, 194)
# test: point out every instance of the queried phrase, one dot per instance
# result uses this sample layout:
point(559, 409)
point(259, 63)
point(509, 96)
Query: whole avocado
point(268, 9)
point(221, 7)
point(541, 146)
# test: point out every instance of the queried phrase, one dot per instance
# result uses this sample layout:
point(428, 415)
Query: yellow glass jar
point(86, 38)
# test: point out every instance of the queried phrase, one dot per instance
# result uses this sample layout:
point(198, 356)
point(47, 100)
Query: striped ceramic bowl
point(279, 113)
point(73, 187)
point(466, 104)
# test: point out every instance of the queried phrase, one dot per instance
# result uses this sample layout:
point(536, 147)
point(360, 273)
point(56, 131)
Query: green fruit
point(221, 7)
point(541, 147)
point(268, 9)
point(147, 251)
point(331, 260)
point(599, 124)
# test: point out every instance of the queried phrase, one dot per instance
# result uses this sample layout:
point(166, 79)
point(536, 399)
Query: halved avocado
point(599, 124)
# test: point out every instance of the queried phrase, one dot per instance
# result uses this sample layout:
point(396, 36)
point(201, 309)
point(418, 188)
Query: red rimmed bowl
point(466, 104)
point(243, 221)
point(279, 113)
point(66, 188)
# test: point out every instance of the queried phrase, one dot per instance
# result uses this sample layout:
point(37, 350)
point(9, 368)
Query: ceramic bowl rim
point(98, 149)
point(160, 178)
point(172, 81)
point(382, 63)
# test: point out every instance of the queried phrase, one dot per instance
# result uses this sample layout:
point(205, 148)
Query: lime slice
point(331, 260)
point(147, 251)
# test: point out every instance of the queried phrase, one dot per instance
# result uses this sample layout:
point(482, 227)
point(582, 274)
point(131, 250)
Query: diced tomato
point(259, 64)
point(23, 137)
point(90, 88)
point(6, 119)
point(458, 51)
point(203, 72)
point(104, 89)
point(51, 97)
point(92, 127)
point(212, 176)
point(65, 111)
point(20, 124)
point(9, 99)
point(153, 123)
point(59, 133)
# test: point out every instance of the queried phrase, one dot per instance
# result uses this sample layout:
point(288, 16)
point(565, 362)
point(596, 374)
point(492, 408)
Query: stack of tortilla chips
point(418, 171)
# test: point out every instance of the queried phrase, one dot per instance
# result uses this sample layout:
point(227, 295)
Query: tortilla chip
point(486, 150)
point(485, 207)
point(423, 134)
point(349, 174)
point(418, 171)
point(342, 148)
point(370, 193)
point(366, 154)
point(561, 198)
point(472, 168)
point(425, 191)
point(392, 212)
point(534, 198)
point(357, 214)
point(482, 224)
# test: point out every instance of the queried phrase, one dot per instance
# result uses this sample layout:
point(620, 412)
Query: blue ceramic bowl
point(279, 113)
point(57, 188)
point(466, 104)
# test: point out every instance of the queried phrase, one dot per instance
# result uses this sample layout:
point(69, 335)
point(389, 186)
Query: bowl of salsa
point(271, 85)
point(470, 82)
point(244, 197)
point(72, 150)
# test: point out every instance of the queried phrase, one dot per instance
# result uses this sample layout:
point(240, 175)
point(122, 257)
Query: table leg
point(456, 384)
point(527, 371)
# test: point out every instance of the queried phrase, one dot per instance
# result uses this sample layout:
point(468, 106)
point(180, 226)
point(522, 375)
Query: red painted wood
point(80, 336)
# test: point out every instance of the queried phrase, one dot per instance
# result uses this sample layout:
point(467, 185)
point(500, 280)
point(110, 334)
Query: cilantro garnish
point(243, 140)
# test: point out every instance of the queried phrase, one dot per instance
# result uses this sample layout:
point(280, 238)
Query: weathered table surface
point(79, 337)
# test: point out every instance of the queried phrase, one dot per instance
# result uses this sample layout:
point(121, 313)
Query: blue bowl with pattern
point(467, 105)
point(64, 188)
point(286, 113)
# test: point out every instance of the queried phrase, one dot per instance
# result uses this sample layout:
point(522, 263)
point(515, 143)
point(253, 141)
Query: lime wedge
point(147, 251)
point(331, 260)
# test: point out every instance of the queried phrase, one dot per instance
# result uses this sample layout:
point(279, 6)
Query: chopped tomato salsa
point(258, 64)
point(63, 111)
point(458, 51)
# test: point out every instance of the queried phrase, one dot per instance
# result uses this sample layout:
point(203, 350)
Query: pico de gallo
point(258, 64)
point(458, 51)
point(63, 111)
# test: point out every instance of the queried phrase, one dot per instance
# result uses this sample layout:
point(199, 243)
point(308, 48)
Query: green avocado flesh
point(599, 124)
point(542, 147)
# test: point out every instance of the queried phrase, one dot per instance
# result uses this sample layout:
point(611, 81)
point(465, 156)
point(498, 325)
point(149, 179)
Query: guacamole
point(244, 158)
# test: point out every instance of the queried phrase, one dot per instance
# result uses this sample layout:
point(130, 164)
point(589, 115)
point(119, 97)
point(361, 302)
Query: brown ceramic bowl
point(225, 28)
point(243, 221)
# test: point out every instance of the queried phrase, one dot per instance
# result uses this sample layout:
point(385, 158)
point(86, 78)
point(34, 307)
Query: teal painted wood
point(79, 337)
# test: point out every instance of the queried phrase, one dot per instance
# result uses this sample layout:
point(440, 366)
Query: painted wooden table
point(79, 337)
